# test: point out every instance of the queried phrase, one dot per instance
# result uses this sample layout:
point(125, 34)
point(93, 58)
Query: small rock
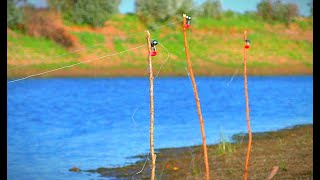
point(175, 168)
point(75, 169)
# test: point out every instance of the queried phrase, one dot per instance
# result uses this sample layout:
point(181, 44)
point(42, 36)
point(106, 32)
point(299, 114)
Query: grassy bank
point(215, 48)
point(290, 149)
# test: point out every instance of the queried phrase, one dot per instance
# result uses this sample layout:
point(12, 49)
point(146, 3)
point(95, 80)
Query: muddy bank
point(141, 71)
point(290, 149)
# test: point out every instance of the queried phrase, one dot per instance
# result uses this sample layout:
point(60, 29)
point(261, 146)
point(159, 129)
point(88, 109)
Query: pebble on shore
point(75, 169)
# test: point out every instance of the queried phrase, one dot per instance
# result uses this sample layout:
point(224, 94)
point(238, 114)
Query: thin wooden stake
point(245, 176)
point(273, 172)
point(205, 152)
point(153, 156)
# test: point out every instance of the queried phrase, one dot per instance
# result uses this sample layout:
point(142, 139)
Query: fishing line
point(68, 66)
point(147, 159)
point(234, 74)
point(53, 57)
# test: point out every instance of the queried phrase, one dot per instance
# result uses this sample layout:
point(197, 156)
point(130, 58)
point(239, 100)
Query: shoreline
point(162, 76)
point(140, 71)
point(288, 148)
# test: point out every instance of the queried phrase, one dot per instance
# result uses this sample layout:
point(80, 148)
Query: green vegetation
point(35, 54)
point(224, 147)
point(93, 43)
point(305, 25)
point(94, 13)
point(22, 44)
point(14, 14)
point(157, 11)
point(283, 166)
point(238, 22)
point(89, 39)
point(276, 10)
point(211, 8)
point(127, 23)
point(58, 65)
point(215, 46)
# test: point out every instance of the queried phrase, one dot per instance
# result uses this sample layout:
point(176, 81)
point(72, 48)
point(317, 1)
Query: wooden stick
point(245, 176)
point(205, 152)
point(273, 172)
point(153, 156)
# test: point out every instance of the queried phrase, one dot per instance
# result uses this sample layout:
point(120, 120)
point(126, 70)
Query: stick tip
point(184, 15)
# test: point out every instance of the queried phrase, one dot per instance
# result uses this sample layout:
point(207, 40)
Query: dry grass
point(43, 23)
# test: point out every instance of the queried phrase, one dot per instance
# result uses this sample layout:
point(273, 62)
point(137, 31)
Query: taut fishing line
point(75, 64)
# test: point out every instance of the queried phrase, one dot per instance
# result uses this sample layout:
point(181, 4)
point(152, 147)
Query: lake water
point(55, 124)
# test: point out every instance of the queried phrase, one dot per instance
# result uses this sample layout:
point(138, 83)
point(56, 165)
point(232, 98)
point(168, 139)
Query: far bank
point(166, 70)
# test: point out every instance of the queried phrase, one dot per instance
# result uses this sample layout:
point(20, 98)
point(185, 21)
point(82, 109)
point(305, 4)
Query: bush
point(14, 14)
point(211, 8)
point(230, 14)
point(311, 8)
point(158, 11)
point(276, 10)
point(94, 13)
point(42, 23)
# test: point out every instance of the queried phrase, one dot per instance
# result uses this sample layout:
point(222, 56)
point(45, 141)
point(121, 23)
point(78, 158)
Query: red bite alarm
point(187, 25)
point(153, 48)
point(153, 53)
point(247, 45)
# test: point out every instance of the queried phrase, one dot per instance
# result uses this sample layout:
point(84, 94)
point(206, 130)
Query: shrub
point(14, 14)
point(158, 11)
point(45, 24)
point(211, 8)
point(311, 8)
point(276, 10)
point(94, 13)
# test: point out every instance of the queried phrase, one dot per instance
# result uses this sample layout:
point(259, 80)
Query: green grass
point(225, 148)
point(20, 43)
point(304, 24)
point(93, 42)
point(89, 39)
point(118, 46)
point(126, 23)
point(59, 65)
point(239, 22)
point(283, 165)
point(259, 64)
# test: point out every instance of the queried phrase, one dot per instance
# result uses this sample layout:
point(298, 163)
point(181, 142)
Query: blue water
point(55, 124)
